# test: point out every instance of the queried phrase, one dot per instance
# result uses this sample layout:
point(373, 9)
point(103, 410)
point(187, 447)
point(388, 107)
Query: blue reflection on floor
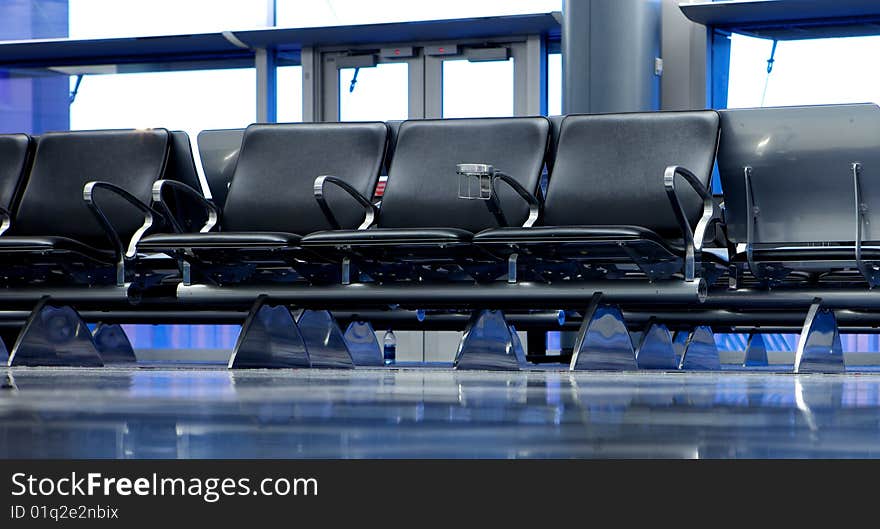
point(388, 413)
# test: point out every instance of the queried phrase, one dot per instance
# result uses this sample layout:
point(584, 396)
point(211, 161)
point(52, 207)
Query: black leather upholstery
point(609, 168)
point(272, 188)
point(15, 156)
point(422, 189)
point(556, 128)
point(559, 234)
point(181, 167)
point(52, 203)
point(37, 244)
point(218, 150)
point(264, 239)
point(380, 236)
point(393, 131)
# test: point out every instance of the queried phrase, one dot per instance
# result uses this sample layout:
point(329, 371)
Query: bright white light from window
point(477, 89)
point(805, 72)
point(289, 94)
point(554, 84)
point(380, 93)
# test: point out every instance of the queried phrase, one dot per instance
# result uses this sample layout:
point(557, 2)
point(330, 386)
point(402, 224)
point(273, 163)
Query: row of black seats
point(626, 210)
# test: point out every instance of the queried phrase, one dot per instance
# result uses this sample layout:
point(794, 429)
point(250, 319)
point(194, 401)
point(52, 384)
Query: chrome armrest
point(211, 209)
point(369, 208)
point(693, 238)
point(150, 215)
point(5, 220)
point(869, 271)
point(482, 172)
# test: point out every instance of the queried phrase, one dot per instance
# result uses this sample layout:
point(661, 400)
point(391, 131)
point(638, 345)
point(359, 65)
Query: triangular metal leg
point(679, 342)
point(324, 340)
point(700, 352)
point(4, 353)
point(113, 344)
point(55, 336)
point(756, 352)
point(655, 349)
point(819, 348)
point(489, 343)
point(363, 345)
point(269, 338)
point(518, 348)
point(603, 341)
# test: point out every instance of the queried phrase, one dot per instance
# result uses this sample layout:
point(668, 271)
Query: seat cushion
point(26, 244)
point(169, 241)
point(387, 236)
point(557, 234)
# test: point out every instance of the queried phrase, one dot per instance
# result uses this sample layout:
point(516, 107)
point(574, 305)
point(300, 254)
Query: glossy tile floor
point(423, 412)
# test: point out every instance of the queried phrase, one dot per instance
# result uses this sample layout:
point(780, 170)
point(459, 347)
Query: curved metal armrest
point(149, 216)
point(369, 208)
point(212, 211)
point(5, 220)
point(533, 201)
point(693, 238)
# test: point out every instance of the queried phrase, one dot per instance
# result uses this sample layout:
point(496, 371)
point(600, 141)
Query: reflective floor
point(433, 413)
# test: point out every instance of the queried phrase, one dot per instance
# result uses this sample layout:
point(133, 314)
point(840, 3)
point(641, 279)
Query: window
point(379, 93)
point(554, 84)
point(289, 94)
point(477, 89)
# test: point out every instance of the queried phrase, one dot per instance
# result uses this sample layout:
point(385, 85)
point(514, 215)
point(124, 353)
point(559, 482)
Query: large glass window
point(477, 89)
point(304, 13)
point(554, 84)
point(374, 94)
point(815, 71)
point(289, 94)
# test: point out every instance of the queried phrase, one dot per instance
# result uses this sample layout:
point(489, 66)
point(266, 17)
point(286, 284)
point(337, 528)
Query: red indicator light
point(442, 50)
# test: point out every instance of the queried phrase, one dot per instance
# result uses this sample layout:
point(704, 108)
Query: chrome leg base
point(679, 341)
point(113, 344)
point(603, 342)
point(55, 336)
point(269, 338)
point(655, 349)
point(819, 348)
point(4, 353)
point(363, 345)
point(324, 340)
point(700, 351)
point(489, 343)
point(756, 352)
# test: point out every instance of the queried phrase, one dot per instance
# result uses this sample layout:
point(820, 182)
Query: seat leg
point(655, 348)
point(55, 336)
point(4, 353)
point(819, 348)
point(679, 341)
point(489, 342)
point(363, 345)
point(269, 338)
point(756, 352)
point(113, 344)
point(700, 351)
point(603, 342)
point(324, 340)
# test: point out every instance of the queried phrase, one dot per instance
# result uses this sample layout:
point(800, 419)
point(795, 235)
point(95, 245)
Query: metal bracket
point(756, 352)
point(603, 341)
point(700, 351)
point(113, 344)
point(655, 348)
point(324, 340)
point(819, 348)
point(269, 338)
point(54, 336)
point(870, 271)
point(489, 343)
point(363, 345)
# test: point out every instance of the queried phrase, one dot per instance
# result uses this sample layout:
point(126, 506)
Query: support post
point(819, 348)
point(700, 352)
point(269, 338)
point(55, 336)
point(113, 344)
point(756, 352)
point(363, 345)
point(489, 343)
point(324, 340)
point(655, 348)
point(603, 341)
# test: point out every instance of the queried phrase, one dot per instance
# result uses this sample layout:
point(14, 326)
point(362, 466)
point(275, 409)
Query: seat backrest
point(802, 182)
point(422, 189)
point(393, 131)
point(181, 167)
point(555, 129)
point(16, 151)
point(218, 150)
point(272, 187)
point(52, 202)
point(609, 168)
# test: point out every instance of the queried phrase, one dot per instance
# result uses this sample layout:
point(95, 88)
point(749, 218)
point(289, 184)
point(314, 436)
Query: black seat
point(219, 150)
point(612, 203)
point(57, 235)
point(422, 221)
point(16, 152)
point(271, 200)
point(800, 190)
